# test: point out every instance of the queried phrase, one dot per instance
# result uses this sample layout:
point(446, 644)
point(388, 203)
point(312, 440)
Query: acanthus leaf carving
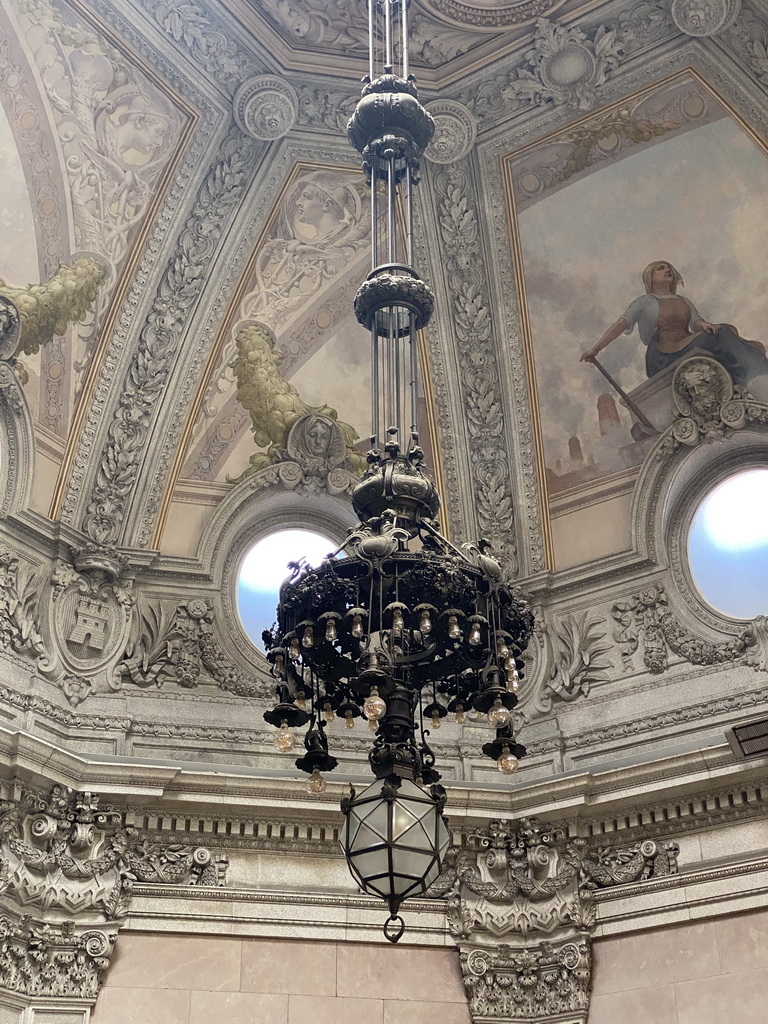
point(565, 65)
point(190, 25)
point(67, 867)
point(748, 37)
point(159, 338)
point(576, 657)
point(471, 317)
point(19, 619)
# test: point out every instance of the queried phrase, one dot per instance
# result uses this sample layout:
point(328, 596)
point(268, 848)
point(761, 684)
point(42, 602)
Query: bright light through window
point(728, 545)
point(264, 569)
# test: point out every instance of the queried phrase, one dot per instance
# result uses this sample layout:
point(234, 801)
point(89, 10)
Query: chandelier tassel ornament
point(399, 627)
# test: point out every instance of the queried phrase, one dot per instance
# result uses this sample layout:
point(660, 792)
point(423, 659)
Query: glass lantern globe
point(394, 840)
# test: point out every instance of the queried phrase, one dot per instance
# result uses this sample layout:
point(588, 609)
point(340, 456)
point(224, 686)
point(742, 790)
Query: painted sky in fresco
point(339, 375)
point(699, 200)
point(18, 253)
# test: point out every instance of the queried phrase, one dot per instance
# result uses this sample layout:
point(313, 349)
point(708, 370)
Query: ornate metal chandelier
point(405, 628)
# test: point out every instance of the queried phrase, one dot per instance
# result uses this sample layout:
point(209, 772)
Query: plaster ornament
point(645, 616)
point(704, 18)
point(576, 657)
point(90, 615)
point(466, 277)
point(266, 107)
point(68, 866)
point(121, 456)
point(498, 14)
point(708, 409)
point(10, 327)
point(10, 386)
point(276, 408)
point(566, 66)
point(176, 645)
point(455, 132)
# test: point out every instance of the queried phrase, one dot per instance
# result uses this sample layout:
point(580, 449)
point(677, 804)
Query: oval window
point(263, 570)
point(728, 545)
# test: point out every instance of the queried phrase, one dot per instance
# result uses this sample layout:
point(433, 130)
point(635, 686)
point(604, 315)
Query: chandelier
point(399, 626)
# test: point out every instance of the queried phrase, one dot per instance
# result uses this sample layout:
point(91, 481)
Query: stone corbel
point(67, 867)
point(520, 905)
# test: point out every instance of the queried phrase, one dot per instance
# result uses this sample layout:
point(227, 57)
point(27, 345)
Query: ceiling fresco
point(92, 137)
point(155, 393)
point(667, 175)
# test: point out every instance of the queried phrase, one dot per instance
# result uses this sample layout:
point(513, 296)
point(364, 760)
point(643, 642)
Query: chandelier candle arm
point(406, 627)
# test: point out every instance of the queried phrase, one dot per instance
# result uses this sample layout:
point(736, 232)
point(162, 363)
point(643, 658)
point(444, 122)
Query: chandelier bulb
point(295, 652)
point(285, 740)
point(308, 640)
point(373, 724)
point(374, 708)
point(499, 716)
point(316, 784)
point(330, 631)
point(301, 701)
point(475, 636)
point(357, 626)
point(425, 623)
point(279, 666)
point(328, 712)
point(460, 716)
point(454, 631)
point(397, 621)
point(507, 763)
point(349, 721)
point(502, 650)
point(436, 723)
point(513, 680)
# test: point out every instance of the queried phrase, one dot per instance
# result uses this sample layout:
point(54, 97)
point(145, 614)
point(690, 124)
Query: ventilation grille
point(750, 739)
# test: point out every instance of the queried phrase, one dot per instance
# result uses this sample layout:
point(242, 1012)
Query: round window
point(263, 570)
point(728, 545)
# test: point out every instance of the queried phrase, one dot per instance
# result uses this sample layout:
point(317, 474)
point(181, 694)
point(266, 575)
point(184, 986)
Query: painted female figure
point(670, 327)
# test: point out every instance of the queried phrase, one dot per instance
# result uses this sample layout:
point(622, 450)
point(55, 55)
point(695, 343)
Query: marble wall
point(169, 979)
point(696, 973)
point(704, 972)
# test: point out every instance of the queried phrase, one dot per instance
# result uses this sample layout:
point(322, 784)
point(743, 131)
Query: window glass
point(264, 569)
point(728, 545)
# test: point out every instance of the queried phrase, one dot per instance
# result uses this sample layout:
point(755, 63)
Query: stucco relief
point(68, 865)
point(342, 27)
point(312, 439)
point(265, 107)
point(702, 18)
point(147, 373)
